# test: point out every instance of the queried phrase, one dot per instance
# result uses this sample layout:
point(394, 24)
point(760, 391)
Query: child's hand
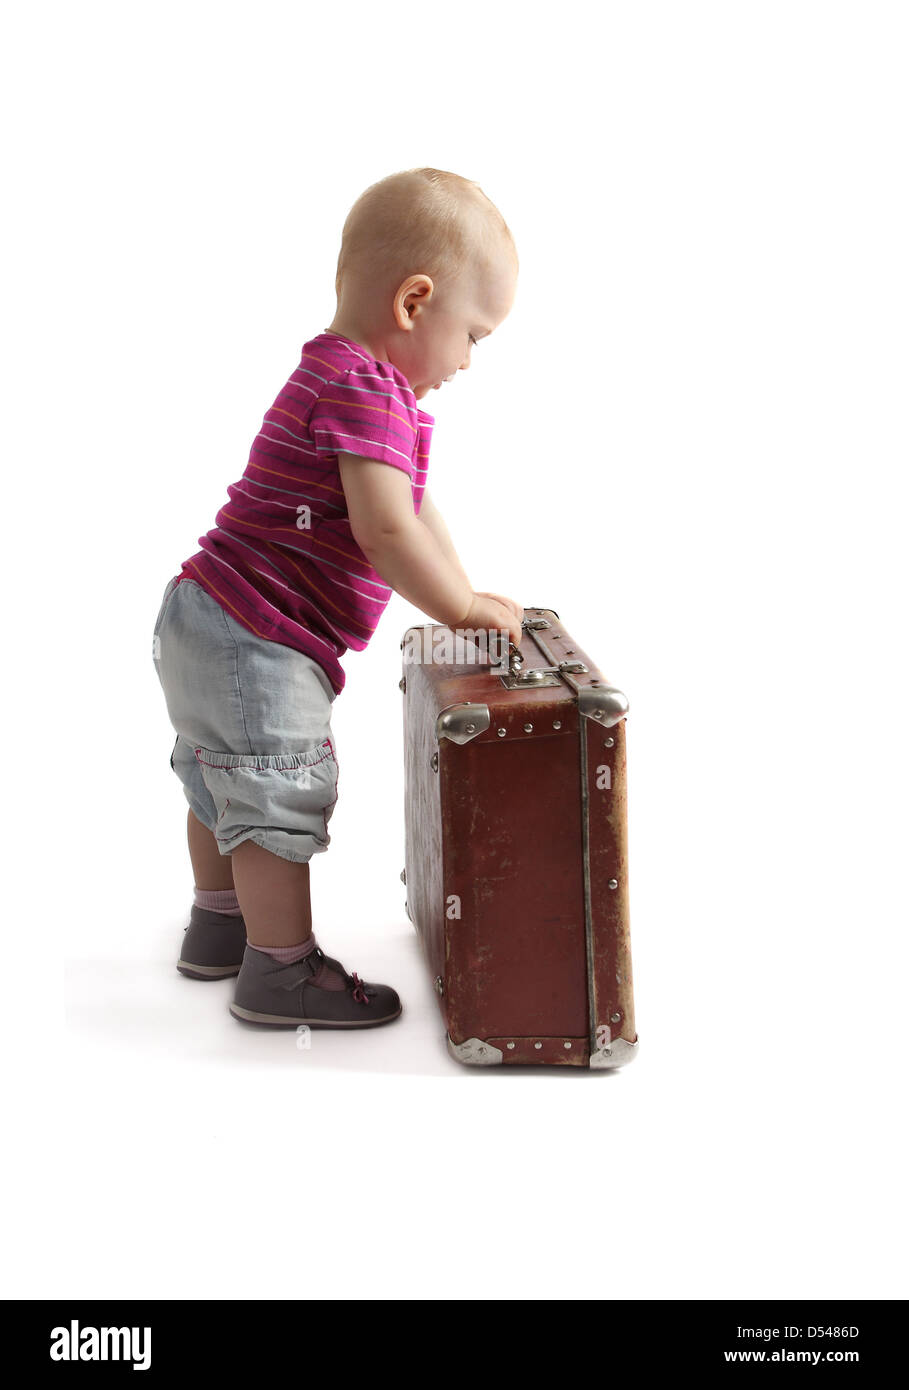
point(511, 603)
point(489, 612)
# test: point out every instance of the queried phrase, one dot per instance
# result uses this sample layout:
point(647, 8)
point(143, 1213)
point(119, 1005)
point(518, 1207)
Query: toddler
point(330, 516)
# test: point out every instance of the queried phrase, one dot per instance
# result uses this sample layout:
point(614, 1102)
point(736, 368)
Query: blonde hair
point(422, 220)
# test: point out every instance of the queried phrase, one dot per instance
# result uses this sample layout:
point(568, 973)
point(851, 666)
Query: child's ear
point(412, 294)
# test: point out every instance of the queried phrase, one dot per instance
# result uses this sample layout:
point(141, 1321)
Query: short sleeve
point(368, 410)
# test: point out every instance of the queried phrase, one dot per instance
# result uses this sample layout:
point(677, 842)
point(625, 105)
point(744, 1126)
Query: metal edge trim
point(588, 902)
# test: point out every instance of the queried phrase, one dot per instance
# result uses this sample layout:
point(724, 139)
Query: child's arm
point(404, 551)
point(433, 520)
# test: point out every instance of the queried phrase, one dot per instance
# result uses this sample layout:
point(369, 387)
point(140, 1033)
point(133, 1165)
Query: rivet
point(614, 1018)
point(594, 682)
point(569, 651)
point(509, 1046)
point(528, 728)
point(481, 1049)
point(567, 1044)
point(538, 1044)
point(598, 714)
point(501, 733)
point(607, 1051)
point(434, 762)
point(557, 723)
point(613, 883)
point(471, 728)
point(608, 742)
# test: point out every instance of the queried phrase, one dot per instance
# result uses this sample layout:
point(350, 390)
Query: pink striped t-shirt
point(282, 558)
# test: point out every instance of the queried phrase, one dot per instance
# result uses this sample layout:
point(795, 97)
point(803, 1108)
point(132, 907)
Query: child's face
point(445, 324)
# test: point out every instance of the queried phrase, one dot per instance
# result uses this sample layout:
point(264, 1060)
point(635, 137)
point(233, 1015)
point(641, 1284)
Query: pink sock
point(325, 977)
point(223, 900)
point(286, 955)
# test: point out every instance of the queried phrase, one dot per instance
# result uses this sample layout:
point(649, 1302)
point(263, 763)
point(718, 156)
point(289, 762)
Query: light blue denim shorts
point(254, 748)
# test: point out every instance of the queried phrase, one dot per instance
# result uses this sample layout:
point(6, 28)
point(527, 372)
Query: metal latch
point(539, 673)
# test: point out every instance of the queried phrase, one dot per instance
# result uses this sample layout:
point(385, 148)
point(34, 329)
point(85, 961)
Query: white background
point(688, 438)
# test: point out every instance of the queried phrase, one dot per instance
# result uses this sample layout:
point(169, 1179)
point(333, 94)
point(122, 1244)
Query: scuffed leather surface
point(516, 960)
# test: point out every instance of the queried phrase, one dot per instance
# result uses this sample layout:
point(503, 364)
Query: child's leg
point(273, 894)
point(211, 869)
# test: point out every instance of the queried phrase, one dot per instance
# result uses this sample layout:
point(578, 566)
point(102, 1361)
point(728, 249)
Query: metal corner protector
point(604, 703)
point(474, 1052)
point(617, 1053)
point(462, 722)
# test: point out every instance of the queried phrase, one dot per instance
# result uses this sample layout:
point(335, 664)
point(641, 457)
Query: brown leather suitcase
point(516, 859)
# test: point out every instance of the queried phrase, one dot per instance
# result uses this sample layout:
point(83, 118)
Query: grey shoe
point(284, 995)
point(213, 945)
